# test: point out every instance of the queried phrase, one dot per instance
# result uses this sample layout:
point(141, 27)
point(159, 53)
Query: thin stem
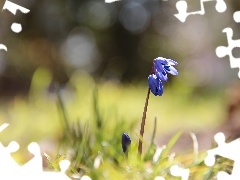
point(143, 123)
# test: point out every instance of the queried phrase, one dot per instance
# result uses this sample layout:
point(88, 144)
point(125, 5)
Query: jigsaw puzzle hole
point(236, 52)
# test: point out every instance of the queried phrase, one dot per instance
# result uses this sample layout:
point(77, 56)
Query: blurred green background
point(78, 45)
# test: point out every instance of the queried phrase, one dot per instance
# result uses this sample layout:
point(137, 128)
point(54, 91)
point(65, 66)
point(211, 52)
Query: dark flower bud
point(126, 141)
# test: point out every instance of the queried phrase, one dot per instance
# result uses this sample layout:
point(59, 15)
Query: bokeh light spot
point(79, 50)
point(134, 17)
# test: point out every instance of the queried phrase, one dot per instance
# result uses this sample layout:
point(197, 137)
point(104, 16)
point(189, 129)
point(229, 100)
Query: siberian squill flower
point(161, 66)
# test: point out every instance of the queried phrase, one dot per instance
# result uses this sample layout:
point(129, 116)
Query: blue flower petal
point(171, 70)
point(160, 88)
point(152, 84)
point(171, 62)
point(162, 75)
point(161, 60)
point(155, 85)
point(157, 65)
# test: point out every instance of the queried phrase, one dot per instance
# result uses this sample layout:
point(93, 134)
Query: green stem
point(143, 123)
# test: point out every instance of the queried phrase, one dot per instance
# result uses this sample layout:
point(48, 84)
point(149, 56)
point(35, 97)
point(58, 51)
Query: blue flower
point(162, 66)
point(155, 85)
point(126, 141)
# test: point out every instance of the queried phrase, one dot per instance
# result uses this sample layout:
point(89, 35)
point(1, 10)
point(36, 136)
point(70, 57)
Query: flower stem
point(143, 123)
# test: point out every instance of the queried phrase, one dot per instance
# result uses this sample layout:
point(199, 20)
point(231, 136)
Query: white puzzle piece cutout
point(110, 1)
point(182, 9)
point(177, 171)
point(228, 150)
point(33, 169)
point(159, 178)
point(12, 7)
point(2, 46)
point(222, 51)
point(7, 163)
point(15, 27)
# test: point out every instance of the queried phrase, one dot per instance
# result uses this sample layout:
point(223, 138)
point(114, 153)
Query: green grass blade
point(170, 144)
point(148, 153)
point(96, 108)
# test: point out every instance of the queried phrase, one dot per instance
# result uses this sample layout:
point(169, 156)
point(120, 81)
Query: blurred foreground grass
point(97, 115)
